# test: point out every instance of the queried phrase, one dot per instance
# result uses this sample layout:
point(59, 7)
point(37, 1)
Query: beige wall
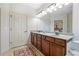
point(4, 27)
point(0, 30)
point(42, 24)
point(69, 23)
point(76, 21)
point(38, 24)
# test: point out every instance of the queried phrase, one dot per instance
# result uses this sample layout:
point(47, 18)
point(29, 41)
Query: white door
point(0, 30)
point(18, 30)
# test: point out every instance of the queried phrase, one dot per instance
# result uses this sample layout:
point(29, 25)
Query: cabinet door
point(59, 50)
point(60, 42)
point(35, 38)
point(39, 42)
point(45, 47)
point(32, 38)
point(52, 49)
point(50, 39)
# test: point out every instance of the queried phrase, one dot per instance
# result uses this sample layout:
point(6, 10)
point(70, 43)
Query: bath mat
point(25, 51)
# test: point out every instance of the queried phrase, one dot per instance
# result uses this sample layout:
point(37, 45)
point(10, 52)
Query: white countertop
point(61, 36)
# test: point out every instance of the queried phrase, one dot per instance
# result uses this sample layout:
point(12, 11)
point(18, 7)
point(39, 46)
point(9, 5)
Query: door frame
point(10, 16)
point(10, 29)
point(0, 30)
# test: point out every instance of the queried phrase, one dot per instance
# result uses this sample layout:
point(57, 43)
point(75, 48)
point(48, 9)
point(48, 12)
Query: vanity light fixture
point(60, 6)
point(50, 8)
point(44, 12)
point(41, 14)
point(55, 9)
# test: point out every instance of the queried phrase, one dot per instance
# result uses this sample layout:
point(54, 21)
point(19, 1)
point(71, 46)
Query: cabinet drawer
point(60, 42)
point(43, 37)
point(50, 39)
point(38, 37)
point(45, 47)
point(32, 33)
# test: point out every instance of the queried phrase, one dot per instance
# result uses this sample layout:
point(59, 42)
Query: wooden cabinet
point(39, 42)
point(32, 38)
point(45, 47)
point(50, 39)
point(49, 46)
point(60, 42)
point(57, 50)
point(35, 39)
point(52, 49)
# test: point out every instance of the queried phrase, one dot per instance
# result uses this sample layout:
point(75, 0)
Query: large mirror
point(62, 19)
point(59, 20)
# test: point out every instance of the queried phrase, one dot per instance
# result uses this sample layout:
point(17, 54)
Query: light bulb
point(66, 4)
point(49, 10)
point(39, 15)
point(60, 6)
point(44, 12)
point(52, 7)
point(57, 4)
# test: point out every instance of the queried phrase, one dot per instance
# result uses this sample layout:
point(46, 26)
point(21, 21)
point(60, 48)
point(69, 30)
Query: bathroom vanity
point(50, 44)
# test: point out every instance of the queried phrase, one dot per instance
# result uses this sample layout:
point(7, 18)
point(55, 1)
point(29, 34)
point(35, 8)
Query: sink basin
point(65, 36)
point(57, 33)
point(50, 33)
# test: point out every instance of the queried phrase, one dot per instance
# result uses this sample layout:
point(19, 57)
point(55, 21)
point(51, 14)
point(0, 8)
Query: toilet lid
point(75, 53)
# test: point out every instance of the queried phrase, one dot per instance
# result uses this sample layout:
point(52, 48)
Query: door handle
point(25, 31)
point(10, 42)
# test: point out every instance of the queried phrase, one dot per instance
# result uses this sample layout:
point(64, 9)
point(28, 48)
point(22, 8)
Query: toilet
point(74, 48)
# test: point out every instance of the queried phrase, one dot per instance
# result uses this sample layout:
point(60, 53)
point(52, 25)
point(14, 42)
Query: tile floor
point(11, 51)
point(37, 52)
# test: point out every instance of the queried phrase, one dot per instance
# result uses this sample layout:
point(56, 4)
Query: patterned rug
point(25, 51)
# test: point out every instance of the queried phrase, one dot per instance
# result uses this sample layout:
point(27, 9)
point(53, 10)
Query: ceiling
point(64, 10)
point(28, 8)
point(32, 9)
